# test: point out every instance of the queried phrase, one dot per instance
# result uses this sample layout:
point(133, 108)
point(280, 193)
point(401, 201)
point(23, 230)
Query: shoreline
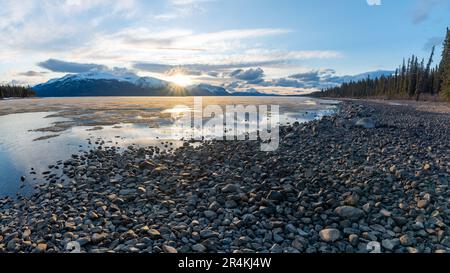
point(330, 187)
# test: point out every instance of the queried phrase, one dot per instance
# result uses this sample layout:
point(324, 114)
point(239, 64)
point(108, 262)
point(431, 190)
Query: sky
point(282, 46)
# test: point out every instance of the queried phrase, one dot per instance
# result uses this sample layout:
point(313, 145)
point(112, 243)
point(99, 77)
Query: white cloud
point(187, 2)
point(424, 9)
point(182, 8)
point(118, 34)
point(374, 2)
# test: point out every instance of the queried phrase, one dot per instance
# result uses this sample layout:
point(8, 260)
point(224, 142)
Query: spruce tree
point(444, 68)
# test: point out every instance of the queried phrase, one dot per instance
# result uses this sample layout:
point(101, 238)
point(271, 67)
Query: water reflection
point(120, 123)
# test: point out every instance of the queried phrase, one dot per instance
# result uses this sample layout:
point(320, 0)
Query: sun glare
point(180, 79)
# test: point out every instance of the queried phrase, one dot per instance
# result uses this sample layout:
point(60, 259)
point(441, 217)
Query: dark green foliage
point(8, 91)
point(444, 68)
point(410, 81)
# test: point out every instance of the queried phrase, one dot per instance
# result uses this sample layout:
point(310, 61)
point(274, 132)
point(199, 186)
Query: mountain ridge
point(117, 83)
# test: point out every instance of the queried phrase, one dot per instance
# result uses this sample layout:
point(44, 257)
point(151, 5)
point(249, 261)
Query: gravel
point(331, 187)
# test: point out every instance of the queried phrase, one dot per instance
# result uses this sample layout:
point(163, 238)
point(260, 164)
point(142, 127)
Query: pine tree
point(444, 68)
point(411, 80)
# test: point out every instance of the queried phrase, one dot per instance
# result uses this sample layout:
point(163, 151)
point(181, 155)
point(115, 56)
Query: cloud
point(374, 2)
point(313, 75)
point(184, 39)
point(307, 76)
point(32, 73)
point(69, 67)
point(187, 2)
point(247, 59)
point(57, 25)
point(423, 10)
point(183, 71)
point(310, 80)
point(250, 75)
point(182, 8)
point(206, 68)
point(433, 41)
point(152, 67)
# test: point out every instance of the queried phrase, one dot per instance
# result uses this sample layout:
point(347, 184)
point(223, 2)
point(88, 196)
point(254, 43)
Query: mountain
point(363, 76)
point(206, 90)
point(250, 93)
point(119, 83)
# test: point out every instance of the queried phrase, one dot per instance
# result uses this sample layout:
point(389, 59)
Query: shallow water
point(40, 132)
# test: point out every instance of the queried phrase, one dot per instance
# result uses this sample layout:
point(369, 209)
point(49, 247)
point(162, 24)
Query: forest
point(9, 91)
point(413, 79)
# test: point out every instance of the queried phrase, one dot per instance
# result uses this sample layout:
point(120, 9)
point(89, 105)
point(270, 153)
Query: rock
point(98, 237)
point(353, 239)
point(330, 234)
point(385, 213)
point(207, 233)
point(214, 205)
point(141, 190)
point(154, 234)
point(276, 248)
point(147, 165)
point(248, 219)
point(41, 247)
point(422, 203)
point(199, 248)
point(388, 244)
point(26, 233)
point(366, 207)
point(210, 214)
point(230, 188)
point(366, 123)
point(299, 244)
point(13, 244)
point(352, 200)
point(275, 196)
point(127, 192)
point(406, 240)
point(92, 215)
point(349, 212)
point(412, 250)
point(169, 249)
point(266, 210)
point(399, 220)
point(83, 241)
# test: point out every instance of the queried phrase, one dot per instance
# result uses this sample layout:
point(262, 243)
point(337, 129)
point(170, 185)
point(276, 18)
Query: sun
point(180, 79)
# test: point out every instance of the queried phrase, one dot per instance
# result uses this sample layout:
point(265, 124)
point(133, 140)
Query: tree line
point(414, 79)
point(7, 91)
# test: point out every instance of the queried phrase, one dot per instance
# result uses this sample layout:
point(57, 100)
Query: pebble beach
point(372, 177)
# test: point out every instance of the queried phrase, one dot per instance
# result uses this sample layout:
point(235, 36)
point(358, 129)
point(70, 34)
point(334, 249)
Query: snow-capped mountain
point(206, 90)
point(362, 76)
point(119, 82)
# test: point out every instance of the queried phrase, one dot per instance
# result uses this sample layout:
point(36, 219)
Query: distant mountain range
point(119, 84)
point(363, 76)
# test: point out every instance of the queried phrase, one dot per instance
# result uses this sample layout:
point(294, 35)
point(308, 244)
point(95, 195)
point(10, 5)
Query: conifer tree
point(444, 68)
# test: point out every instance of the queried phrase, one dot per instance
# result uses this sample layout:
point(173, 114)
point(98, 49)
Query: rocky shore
point(374, 177)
